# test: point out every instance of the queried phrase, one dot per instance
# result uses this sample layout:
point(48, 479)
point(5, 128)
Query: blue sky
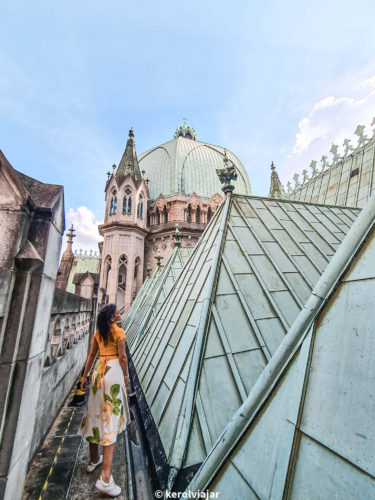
point(269, 80)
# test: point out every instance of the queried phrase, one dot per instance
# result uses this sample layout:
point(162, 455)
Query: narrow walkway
point(58, 470)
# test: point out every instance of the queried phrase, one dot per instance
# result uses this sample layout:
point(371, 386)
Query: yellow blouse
point(111, 347)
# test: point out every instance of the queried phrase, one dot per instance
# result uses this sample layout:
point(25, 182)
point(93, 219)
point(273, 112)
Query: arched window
point(112, 209)
point(209, 214)
point(122, 277)
point(107, 268)
point(198, 215)
point(157, 216)
point(127, 207)
point(165, 214)
point(122, 272)
point(137, 275)
point(136, 266)
point(188, 213)
point(113, 205)
point(140, 206)
point(124, 204)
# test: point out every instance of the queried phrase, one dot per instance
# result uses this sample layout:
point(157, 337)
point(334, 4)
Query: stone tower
point(124, 231)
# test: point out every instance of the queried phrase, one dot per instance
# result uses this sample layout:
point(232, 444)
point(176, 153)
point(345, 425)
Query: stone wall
point(43, 333)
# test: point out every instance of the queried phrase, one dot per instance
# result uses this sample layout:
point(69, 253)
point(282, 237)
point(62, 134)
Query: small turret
point(276, 188)
point(66, 262)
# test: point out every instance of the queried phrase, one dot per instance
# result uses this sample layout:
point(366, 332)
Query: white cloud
point(331, 120)
point(367, 84)
point(86, 227)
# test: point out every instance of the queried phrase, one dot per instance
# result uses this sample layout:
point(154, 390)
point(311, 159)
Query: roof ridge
point(163, 277)
point(186, 416)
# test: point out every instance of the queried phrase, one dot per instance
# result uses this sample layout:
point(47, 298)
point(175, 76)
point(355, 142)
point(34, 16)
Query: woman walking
point(107, 411)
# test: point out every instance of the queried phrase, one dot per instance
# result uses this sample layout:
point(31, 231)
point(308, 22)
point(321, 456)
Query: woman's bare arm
point(90, 359)
point(123, 360)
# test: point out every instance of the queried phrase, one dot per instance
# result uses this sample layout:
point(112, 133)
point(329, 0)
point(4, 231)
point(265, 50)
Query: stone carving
point(296, 181)
point(288, 187)
point(362, 138)
point(336, 156)
point(305, 176)
point(373, 125)
point(65, 330)
point(194, 201)
point(347, 147)
point(214, 201)
point(314, 169)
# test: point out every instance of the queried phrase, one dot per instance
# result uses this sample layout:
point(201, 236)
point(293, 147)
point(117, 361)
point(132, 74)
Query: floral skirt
point(107, 410)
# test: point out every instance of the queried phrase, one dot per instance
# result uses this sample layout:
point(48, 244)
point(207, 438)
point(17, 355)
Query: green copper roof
point(152, 294)
point(306, 428)
point(234, 301)
point(184, 166)
point(82, 265)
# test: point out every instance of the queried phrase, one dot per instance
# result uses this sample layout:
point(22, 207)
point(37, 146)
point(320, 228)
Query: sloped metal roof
point(227, 312)
point(306, 429)
point(82, 265)
point(139, 298)
point(152, 294)
point(184, 166)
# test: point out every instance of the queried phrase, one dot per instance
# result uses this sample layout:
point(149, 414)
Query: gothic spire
point(276, 188)
point(129, 162)
point(66, 262)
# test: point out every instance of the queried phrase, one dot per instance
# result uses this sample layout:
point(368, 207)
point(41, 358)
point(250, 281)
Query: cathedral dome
point(185, 166)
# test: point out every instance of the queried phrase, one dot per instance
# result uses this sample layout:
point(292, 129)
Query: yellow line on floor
point(55, 457)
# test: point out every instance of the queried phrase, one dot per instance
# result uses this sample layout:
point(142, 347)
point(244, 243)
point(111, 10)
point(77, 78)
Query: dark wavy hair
point(104, 322)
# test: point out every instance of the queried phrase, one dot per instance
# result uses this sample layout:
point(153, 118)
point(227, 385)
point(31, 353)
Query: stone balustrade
point(70, 322)
point(71, 326)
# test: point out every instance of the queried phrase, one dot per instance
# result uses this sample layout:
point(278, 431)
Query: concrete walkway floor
point(58, 469)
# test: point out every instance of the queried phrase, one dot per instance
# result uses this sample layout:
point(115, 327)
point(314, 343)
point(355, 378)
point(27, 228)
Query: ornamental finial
point(227, 174)
point(158, 257)
point(362, 138)
point(313, 168)
point(177, 235)
point(131, 133)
